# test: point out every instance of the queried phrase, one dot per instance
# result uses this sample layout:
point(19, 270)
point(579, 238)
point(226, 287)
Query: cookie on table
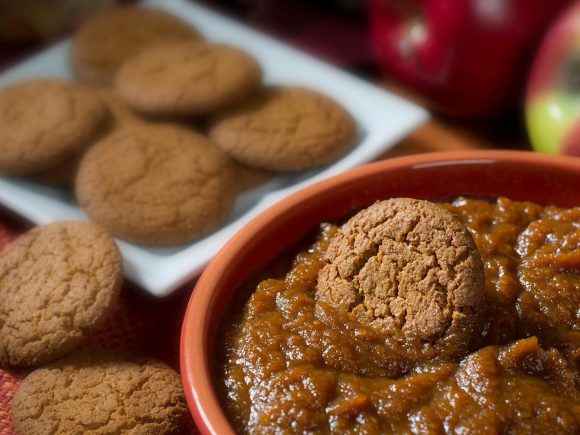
point(104, 392)
point(45, 121)
point(58, 283)
point(286, 129)
point(409, 269)
point(156, 184)
point(187, 79)
point(109, 38)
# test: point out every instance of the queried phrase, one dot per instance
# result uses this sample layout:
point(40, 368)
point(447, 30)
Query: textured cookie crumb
point(58, 283)
point(101, 392)
point(407, 268)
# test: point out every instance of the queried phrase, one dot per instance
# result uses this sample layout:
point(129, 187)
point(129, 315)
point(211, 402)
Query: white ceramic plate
point(383, 119)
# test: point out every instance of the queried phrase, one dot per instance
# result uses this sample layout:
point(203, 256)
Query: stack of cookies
point(58, 285)
point(162, 130)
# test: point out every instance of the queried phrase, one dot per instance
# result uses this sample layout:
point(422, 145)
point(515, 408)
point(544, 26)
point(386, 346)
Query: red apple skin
point(571, 145)
point(557, 45)
point(473, 58)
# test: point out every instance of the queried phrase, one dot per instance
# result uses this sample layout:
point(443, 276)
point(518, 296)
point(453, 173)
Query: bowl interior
point(519, 176)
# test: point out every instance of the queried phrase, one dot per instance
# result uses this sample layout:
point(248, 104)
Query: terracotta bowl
point(517, 175)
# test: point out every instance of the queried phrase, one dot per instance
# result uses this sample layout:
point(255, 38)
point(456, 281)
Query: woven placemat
point(139, 323)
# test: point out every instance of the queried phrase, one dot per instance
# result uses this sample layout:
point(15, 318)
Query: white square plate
point(383, 119)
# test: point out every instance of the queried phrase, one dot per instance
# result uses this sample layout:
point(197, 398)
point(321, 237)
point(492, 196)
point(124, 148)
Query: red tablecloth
point(139, 323)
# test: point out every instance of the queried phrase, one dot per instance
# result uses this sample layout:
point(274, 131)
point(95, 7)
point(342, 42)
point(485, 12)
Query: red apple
point(553, 95)
point(467, 57)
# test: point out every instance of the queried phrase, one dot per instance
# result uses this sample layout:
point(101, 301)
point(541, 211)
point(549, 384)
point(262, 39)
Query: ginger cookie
point(43, 122)
point(409, 269)
point(286, 129)
point(101, 392)
point(64, 172)
point(119, 115)
point(109, 38)
point(156, 184)
point(187, 79)
point(58, 283)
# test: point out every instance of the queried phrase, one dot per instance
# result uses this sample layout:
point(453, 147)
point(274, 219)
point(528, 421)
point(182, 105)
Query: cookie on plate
point(109, 38)
point(286, 129)
point(410, 269)
point(101, 392)
point(58, 283)
point(187, 79)
point(45, 121)
point(156, 184)
point(64, 172)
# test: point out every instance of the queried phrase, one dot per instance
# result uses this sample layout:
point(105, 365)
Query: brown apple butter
point(291, 363)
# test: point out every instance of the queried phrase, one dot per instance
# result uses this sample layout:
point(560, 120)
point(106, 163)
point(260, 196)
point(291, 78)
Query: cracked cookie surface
point(286, 129)
point(408, 269)
point(156, 184)
point(108, 39)
point(58, 283)
point(44, 121)
point(187, 79)
point(101, 392)
point(119, 115)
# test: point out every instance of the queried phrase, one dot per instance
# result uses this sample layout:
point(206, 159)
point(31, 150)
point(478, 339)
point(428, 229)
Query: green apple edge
point(549, 119)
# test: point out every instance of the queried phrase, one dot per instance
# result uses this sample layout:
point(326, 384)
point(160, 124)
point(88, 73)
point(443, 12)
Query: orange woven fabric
point(139, 323)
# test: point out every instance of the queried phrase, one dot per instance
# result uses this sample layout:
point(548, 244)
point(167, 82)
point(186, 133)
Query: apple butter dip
point(414, 318)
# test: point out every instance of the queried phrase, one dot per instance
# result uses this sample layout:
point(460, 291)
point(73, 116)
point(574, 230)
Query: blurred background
point(469, 61)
